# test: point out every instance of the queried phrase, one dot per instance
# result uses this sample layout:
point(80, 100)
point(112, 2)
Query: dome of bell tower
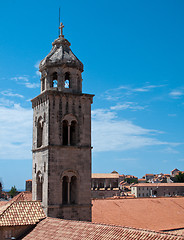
point(61, 69)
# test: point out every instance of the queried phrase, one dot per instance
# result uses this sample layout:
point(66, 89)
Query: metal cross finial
point(61, 30)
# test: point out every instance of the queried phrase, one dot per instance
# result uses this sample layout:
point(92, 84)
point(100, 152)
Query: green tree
point(180, 177)
point(13, 191)
point(131, 180)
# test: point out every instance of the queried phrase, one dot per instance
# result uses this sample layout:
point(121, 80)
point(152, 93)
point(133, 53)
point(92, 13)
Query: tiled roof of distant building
point(141, 180)
point(159, 185)
point(104, 175)
point(22, 213)
point(22, 196)
point(151, 213)
point(20, 210)
point(55, 229)
point(130, 176)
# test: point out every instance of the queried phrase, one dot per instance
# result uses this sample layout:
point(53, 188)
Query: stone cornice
point(44, 96)
point(40, 149)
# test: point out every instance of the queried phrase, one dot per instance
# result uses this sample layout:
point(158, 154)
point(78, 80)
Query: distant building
point(141, 180)
point(19, 215)
point(149, 177)
point(174, 172)
point(131, 179)
point(104, 185)
point(157, 189)
point(29, 185)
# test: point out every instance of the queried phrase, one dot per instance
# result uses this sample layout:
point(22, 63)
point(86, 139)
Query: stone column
point(59, 81)
point(68, 200)
point(69, 135)
point(105, 184)
point(92, 184)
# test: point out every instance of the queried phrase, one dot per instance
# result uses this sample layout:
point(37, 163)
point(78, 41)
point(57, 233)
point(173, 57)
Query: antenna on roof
point(59, 22)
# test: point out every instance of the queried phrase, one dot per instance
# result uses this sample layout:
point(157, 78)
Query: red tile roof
point(22, 213)
point(23, 196)
point(55, 229)
point(150, 213)
point(159, 185)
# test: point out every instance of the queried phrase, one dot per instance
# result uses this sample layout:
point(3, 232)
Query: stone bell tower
point(62, 136)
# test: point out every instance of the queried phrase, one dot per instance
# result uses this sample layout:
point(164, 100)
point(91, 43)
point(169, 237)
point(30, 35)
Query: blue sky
point(132, 53)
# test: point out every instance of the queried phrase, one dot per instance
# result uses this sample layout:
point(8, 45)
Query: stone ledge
point(58, 146)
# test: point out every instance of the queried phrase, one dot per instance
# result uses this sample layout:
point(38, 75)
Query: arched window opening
point(73, 133)
point(39, 133)
point(39, 182)
point(54, 79)
point(67, 80)
point(73, 190)
point(54, 76)
point(65, 132)
point(39, 191)
point(55, 83)
point(101, 184)
point(65, 190)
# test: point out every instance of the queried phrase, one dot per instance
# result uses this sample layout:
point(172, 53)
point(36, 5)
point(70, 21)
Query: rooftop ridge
point(159, 233)
point(16, 213)
point(133, 228)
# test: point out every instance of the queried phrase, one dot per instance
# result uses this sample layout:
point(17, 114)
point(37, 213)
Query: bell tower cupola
point(61, 69)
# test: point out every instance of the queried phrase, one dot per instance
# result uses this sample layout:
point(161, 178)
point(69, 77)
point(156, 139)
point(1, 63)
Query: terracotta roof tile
point(105, 175)
point(159, 185)
point(23, 196)
point(22, 213)
point(149, 213)
point(56, 229)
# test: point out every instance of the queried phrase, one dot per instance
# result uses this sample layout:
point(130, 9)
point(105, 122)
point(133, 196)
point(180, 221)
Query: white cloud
point(8, 93)
point(25, 81)
point(111, 134)
point(170, 150)
point(146, 88)
point(37, 67)
point(176, 93)
point(15, 132)
point(172, 115)
point(127, 105)
point(6, 102)
point(125, 91)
